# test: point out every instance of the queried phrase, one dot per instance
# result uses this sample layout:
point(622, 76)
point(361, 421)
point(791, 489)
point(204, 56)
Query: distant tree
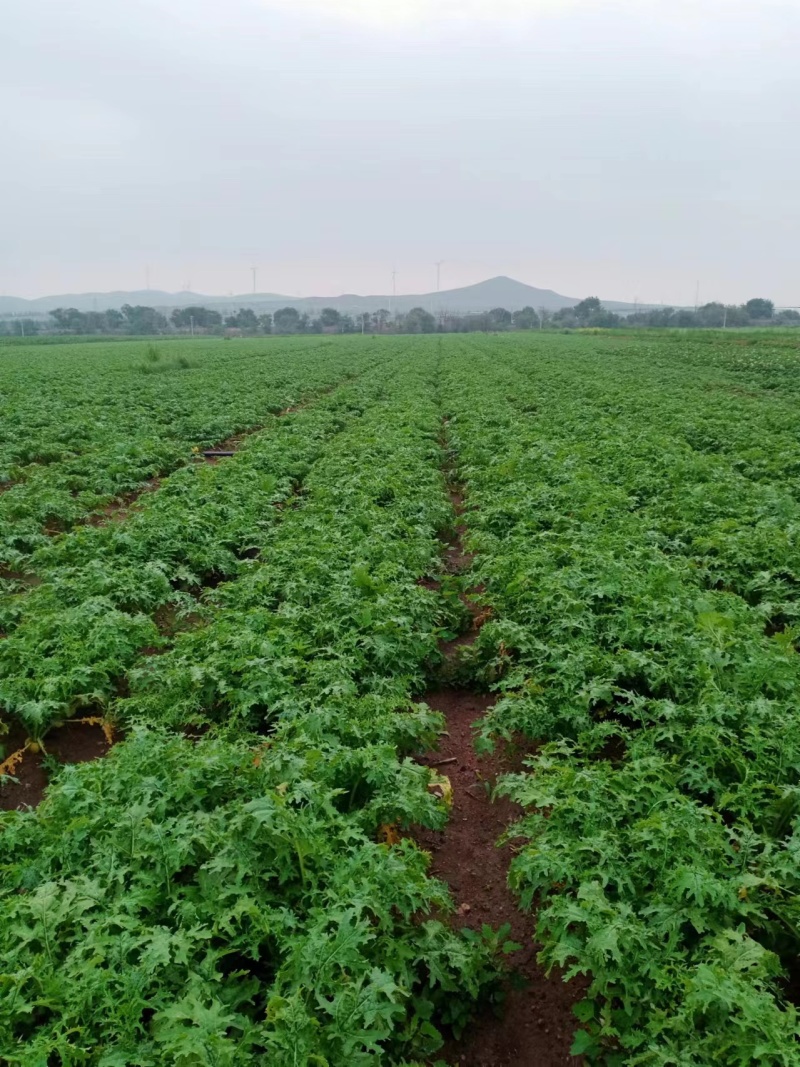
point(143, 320)
point(789, 317)
point(243, 319)
point(418, 320)
point(363, 321)
point(660, 317)
point(565, 317)
point(265, 322)
point(68, 319)
point(329, 317)
point(585, 309)
point(525, 319)
point(347, 324)
point(200, 317)
point(590, 312)
point(380, 318)
point(482, 321)
point(500, 319)
point(304, 324)
point(95, 322)
point(713, 314)
point(736, 315)
point(23, 327)
point(286, 320)
point(758, 308)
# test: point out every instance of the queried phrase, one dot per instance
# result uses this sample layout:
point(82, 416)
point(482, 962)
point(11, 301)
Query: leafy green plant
point(636, 538)
point(185, 902)
point(228, 899)
point(634, 510)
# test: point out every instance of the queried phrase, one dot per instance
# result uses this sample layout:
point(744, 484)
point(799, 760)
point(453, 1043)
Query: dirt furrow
point(25, 765)
point(28, 765)
point(122, 506)
point(534, 1025)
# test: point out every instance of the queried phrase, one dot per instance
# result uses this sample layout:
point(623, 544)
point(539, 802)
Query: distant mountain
point(492, 293)
point(156, 298)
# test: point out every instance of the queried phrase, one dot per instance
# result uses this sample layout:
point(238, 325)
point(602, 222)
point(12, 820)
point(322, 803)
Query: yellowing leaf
point(440, 787)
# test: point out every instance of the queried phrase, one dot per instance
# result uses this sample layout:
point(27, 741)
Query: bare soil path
point(535, 1025)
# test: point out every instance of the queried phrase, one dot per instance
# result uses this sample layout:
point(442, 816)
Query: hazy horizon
point(305, 296)
point(244, 292)
point(627, 151)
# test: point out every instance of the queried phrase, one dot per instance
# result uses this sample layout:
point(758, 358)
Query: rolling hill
point(494, 292)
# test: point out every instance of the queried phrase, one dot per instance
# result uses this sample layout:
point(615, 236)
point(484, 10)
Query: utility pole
point(255, 272)
point(22, 327)
point(725, 317)
point(191, 324)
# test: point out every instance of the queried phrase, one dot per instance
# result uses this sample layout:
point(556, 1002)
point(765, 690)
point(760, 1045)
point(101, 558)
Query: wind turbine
point(438, 266)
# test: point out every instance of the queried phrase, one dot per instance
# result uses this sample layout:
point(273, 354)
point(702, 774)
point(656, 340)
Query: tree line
point(588, 313)
point(755, 312)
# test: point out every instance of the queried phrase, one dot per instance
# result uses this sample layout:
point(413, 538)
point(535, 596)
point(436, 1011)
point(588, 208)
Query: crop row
point(644, 581)
point(107, 592)
point(80, 429)
point(243, 897)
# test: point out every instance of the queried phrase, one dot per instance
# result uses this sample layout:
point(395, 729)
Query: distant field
point(230, 669)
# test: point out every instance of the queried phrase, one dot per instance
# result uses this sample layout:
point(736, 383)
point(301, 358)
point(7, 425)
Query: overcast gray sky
point(626, 149)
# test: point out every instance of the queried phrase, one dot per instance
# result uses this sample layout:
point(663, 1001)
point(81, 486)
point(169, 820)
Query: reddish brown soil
point(74, 742)
point(536, 1024)
point(456, 558)
point(119, 510)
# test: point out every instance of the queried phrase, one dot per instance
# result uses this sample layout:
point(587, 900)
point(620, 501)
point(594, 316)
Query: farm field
point(539, 588)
